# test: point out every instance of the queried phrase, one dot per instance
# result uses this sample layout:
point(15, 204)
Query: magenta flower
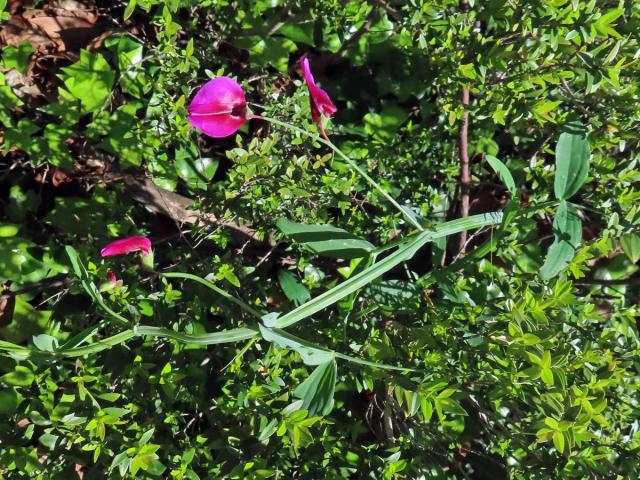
point(127, 245)
point(320, 102)
point(219, 108)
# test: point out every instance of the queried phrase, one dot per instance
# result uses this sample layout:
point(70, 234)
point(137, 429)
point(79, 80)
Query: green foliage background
point(518, 373)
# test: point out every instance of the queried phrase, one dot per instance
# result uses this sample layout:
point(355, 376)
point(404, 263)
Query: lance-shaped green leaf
point(503, 172)
point(402, 254)
point(224, 336)
point(572, 164)
point(317, 390)
point(311, 354)
point(14, 348)
point(81, 273)
point(567, 234)
point(97, 346)
point(89, 286)
point(81, 337)
point(303, 233)
point(347, 248)
point(326, 240)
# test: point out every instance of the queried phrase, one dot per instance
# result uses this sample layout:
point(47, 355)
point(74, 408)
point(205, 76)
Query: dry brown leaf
point(7, 306)
point(24, 423)
point(52, 29)
point(23, 86)
point(73, 4)
point(18, 29)
point(15, 5)
point(59, 176)
point(71, 30)
point(55, 175)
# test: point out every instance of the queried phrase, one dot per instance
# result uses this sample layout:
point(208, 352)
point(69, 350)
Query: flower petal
point(319, 100)
point(219, 92)
point(220, 127)
point(323, 103)
point(219, 108)
point(306, 70)
point(127, 245)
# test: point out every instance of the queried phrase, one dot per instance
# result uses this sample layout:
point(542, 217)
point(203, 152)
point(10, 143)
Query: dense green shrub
point(514, 359)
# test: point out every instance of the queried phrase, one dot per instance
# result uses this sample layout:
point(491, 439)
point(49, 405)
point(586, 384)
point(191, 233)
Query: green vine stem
point(330, 297)
point(244, 306)
point(215, 338)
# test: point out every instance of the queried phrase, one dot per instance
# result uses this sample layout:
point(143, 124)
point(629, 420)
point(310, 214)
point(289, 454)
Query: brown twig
point(606, 283)
point(178, 208)
point(51, 282)
point(353, 39)
point(465, 173)
point(475, 234)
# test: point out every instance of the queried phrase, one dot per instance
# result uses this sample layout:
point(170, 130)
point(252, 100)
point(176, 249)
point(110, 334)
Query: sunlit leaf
point(317, 390)
point(567, 234)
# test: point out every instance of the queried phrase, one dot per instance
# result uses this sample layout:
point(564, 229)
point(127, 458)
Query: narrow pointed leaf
point(347, 248)
point(402, 254)
point(503, 172)
point(302, 232)
point(326, 240)
point(311, 354)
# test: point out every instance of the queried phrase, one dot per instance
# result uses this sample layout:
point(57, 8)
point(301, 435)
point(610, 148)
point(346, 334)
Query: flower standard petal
point(306, 71)
point(127, 245)
point(319, 100)
point(219, 108)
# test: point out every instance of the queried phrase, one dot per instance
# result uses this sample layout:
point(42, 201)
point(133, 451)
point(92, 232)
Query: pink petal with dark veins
point(219, 108)
point(127, 245)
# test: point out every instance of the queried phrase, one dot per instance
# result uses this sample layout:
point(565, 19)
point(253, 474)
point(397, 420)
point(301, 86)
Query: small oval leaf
point(631, 246)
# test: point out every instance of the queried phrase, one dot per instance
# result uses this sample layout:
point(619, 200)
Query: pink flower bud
point(127, 245)
point(219, 108)
point(320, 102)
point(111, 284)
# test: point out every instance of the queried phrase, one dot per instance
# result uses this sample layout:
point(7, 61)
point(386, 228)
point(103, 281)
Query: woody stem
point(351, 163)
